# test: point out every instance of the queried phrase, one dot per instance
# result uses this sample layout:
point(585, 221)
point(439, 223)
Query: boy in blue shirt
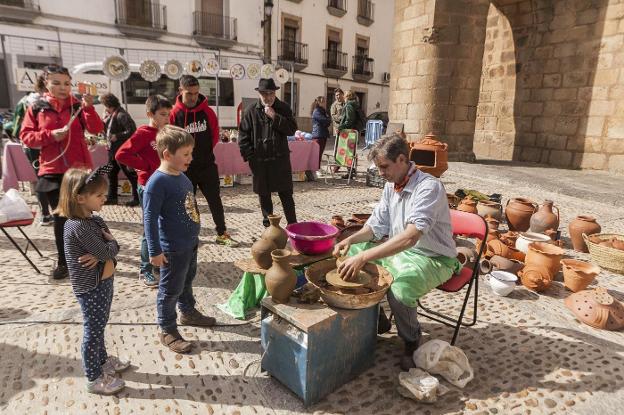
point(171, 223)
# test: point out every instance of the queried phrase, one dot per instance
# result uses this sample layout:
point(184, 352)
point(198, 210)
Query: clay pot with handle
point(518, 212)
point(467, 205)
point(545, 219)
point(582, 225)
point(280, 279)
point(489, 208)
point(430, 155)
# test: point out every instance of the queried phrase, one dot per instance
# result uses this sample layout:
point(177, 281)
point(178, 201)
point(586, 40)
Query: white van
point(231, 92)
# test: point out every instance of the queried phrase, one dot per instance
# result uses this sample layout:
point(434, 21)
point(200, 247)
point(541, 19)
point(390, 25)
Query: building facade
point(522, 80)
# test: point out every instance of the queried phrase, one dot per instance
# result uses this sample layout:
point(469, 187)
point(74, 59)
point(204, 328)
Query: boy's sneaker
point(114, 365)
point(195, 318)
point(148, 279)
point(60, 272)
point(46, 220)
point(226, 240)
point(105, 385)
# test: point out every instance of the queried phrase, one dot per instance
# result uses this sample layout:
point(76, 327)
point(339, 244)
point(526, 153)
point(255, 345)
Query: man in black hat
point(263, 143)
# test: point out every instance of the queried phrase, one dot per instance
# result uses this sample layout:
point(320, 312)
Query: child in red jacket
point(139, 152)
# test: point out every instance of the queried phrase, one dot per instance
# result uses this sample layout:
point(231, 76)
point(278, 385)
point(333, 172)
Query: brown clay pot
point(490, 208)
point(546, 256)
point(261, 252)
point(491, 235)
point(360, 218)
point(545, 219)
point(338, 221)
point(467, 205)
point(577, 275)
point(275, 233)
point(518, 212)
point(596, 308)
point(534, 277)
point(617, 244)
point(509, 238)
point(280, 279)
point(453, 200)
point(582, 225)
point(466, 256)
point(498, 247)
point(500, 263)
point(430, 155)
point(492, 223)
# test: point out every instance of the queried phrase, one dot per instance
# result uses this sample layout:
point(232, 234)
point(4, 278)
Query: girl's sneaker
point(114, 365)
point(105, 385)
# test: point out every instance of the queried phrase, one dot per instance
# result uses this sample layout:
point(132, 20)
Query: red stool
point(18, 224)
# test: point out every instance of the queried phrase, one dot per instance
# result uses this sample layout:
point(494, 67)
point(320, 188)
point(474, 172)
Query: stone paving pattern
point(529, 353)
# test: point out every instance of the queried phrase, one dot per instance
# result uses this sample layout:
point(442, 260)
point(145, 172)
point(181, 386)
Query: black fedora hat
point(267, 84)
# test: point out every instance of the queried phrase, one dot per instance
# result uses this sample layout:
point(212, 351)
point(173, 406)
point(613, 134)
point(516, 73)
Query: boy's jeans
point(176, 286)
point(145, 264)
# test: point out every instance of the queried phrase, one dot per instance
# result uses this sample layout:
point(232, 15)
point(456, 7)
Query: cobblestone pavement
point(529, 353)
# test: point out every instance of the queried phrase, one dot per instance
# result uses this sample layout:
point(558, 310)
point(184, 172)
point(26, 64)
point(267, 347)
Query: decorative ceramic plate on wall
point(267, 70)
point(282, 76)
point(116, 68)
point(173, 69)
point(253, 71)
point(194, 67)
point(237, 71)
point(211, 66)
point(150, 70)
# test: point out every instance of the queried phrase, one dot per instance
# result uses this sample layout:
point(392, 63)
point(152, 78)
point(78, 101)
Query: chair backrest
point(468, 224)
point(374, 129)
point(346, 147)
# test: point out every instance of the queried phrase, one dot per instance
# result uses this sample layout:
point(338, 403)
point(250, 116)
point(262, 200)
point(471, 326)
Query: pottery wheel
point(333, 278)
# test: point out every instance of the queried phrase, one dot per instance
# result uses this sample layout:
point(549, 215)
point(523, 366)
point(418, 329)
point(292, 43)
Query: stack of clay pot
point(430, 155)
point(542, 263)
point(518, 212)
point(612, 242)
point(582, 225)
point(467, 205)
point(488, 208)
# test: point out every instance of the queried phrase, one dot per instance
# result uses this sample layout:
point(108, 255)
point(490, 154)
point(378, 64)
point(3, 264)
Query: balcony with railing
point(337, 8)
point(363, 68)
point(19, 10)
point(142, 18)
point(334, 63)
point(295, 52)
point(214, 30)
point(366, 12)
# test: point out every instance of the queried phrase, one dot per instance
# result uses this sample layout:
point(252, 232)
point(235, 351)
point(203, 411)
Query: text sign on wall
point(26, 79)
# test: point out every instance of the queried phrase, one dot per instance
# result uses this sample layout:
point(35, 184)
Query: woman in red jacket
point(55, 125)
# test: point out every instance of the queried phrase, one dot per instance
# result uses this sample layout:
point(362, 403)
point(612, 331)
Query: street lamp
point(266, 24)
point(268, 7)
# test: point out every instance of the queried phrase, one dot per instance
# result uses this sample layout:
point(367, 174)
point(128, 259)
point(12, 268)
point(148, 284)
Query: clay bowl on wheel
point(380, 282)
point(312, 238)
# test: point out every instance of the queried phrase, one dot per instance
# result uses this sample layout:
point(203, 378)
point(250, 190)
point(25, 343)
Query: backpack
point(360, 121)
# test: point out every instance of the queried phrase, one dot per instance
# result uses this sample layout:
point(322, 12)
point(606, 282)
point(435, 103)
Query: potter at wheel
point(333, 277)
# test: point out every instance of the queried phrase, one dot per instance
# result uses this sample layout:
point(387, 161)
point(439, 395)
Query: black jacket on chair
point(263, 143)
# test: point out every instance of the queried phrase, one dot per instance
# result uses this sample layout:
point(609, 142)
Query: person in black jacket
point(263, 143)
point(118, 127)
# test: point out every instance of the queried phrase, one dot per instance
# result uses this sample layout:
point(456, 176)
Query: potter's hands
point(270, 112)
point(88, 261)
point(351, 267)
point(341, 248)
point(60, 133)
point(158, 260)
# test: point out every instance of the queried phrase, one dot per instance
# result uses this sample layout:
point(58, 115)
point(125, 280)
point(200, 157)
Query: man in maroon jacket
point(191, 112)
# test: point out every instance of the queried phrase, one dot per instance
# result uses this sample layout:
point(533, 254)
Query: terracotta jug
point(430, 155)
point(582, 225)
point(490, 208)
point(467, 205)
point(518, 212)
point(546, 256)
point(534, 277)
point(261, 252)
point(545, 219)
point(280, 279)
point(275, 233)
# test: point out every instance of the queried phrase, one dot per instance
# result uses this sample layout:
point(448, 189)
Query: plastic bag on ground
point(440, 358)
point(14, 207)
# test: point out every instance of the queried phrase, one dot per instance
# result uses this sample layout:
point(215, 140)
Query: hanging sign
point(27, 78)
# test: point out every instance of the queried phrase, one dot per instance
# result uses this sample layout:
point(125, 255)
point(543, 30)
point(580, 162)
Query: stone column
point(436, 70)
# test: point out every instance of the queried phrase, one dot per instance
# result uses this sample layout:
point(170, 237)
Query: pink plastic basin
point(312, 238)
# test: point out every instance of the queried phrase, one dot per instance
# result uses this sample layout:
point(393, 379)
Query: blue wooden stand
point(313, 349)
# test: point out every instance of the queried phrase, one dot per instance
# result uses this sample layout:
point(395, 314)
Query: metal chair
point(472, 226)
point(24, 251)
point(374, 130)
point(344, 154)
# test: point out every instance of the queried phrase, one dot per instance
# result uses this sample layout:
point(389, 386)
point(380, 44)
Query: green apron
point(414, 274)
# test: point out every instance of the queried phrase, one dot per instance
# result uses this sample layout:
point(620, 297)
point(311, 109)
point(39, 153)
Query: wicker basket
point(608, 258)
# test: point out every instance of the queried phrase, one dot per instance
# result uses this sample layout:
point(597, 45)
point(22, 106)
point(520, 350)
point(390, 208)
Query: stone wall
point(549, 81)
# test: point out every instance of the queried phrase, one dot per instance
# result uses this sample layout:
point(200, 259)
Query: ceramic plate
point(211, 66)
point(282, 75)
point(150, 70)
point(194, 67)
point(267, 70)
point(116, 68)
point(237, 71)
point(173, 69)
point(334, 279)
point(253, 71)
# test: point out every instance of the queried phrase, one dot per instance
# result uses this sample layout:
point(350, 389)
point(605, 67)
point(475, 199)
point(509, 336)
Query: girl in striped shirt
point(90, 250)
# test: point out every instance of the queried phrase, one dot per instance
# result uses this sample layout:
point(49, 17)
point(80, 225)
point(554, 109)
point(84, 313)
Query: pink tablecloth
point(303, 156)
point(16, 167)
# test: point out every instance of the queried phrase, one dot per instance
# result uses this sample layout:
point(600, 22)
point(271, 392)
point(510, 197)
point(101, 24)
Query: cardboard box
point(226, 181)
